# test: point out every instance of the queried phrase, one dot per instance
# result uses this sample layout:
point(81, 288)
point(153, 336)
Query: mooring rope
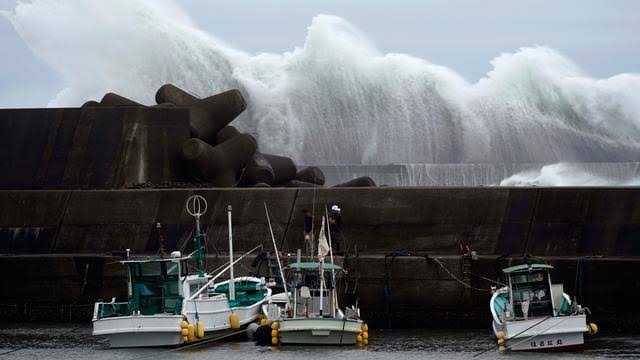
point(543, 331)
point(485, 278)
point(456, 279)
point(516, 335)
point(532, 336)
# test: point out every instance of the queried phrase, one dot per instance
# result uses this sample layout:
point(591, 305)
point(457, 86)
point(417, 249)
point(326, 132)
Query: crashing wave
point(337, 99)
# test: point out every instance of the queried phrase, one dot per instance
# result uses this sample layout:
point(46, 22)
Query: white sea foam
point(337, 99)
point(564, 174)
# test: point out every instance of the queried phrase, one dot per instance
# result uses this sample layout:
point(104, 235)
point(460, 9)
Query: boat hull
point(165, 330)
point(559, 333)
point(151, 331)
point(319, 331)
point(140, 331)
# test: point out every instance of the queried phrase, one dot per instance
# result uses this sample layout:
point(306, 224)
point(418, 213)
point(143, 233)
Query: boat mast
point(321, 254)
point(334, 297)
point(275, 248)
point(196, 207)
point(232, 285)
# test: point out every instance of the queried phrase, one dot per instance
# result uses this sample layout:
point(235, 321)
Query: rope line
point(458, 280)
point(485, 278)
point(532, 336)
point(542, 333)
point(516, 335)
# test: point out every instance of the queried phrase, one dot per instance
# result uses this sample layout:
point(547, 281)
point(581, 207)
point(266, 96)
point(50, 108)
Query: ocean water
point(48, 341)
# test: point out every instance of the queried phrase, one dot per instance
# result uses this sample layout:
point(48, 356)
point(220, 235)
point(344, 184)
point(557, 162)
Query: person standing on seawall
point(308, 232)
point(335, 226)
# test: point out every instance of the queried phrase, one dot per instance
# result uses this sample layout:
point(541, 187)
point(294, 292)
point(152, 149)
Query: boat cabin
point(155, 286)
point(313, 295)
point(531, 293)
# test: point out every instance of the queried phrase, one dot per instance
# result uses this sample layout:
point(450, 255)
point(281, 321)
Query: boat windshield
point(311, 279)
point(531, 294)
point(154, 287)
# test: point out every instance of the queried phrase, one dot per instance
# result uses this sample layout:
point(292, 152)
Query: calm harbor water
point(46, 341)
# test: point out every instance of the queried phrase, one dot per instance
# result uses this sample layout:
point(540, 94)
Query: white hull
point(132, 331)
point(165, 330)
point(316, 331)
point(556, 333)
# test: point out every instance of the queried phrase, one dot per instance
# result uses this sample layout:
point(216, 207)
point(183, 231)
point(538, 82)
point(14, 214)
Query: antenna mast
point(196, 207)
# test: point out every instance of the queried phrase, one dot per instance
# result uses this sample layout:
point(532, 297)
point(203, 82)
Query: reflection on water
point(39, 341)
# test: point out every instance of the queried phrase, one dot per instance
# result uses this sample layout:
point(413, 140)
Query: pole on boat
point(196, 207)
point(232, 284)
point(323, 248)
point(334, 298)
point(275, 247)
point(214, 278)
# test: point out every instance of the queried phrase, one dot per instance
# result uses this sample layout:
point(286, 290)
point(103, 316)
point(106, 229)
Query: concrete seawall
point(56, 246)
point(91, 148)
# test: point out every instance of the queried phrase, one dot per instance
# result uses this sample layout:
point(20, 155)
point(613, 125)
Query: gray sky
point(465, 35)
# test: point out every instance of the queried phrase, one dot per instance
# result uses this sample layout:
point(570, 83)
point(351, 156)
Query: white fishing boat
point(168, 305)
point(309, 313)
point(533, 314)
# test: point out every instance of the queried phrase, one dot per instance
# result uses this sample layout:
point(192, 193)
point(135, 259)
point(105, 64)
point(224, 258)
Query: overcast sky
point(601, 36)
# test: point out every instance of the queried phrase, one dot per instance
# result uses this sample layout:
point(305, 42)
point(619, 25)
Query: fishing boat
point(169, 305)
point(531, 313)
point(309, 314)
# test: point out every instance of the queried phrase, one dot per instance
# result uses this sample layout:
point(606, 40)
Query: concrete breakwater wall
point(91, 148)
point(56, 246)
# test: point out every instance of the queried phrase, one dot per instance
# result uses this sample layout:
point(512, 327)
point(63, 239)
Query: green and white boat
point(309, 313)
point(168, 305)
point(315, 318)
point(533, 314)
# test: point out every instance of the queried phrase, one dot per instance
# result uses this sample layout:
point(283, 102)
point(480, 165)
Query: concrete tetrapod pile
point(219, 155)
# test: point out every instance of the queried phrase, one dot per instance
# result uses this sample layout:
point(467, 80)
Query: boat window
point(193, 288)
point(173, 268)
point(150, 269)
point(531, 295)
point(311, 279)
point(184, 269)
point(155, 287)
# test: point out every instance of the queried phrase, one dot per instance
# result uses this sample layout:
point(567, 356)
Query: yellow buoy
point(500, 334)
point(263, 321)
point(366, 342)
point(200, 329)
point(365, 327)
point(274, 333)
point(234, 321)
point(185, 332)
point(275, 325)
point(185, 339)
point(500, 342)
point(592, 328)
point(365, 335)
point(359, 338)
point(274, 341)
point(502, 348)
point(184, 324)
point(260, 317)
point(191, 332)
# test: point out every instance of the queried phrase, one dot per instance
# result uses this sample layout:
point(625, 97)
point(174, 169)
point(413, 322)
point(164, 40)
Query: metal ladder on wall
point(465, 259)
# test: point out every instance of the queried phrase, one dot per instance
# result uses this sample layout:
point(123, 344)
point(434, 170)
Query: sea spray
point(336, 99)
point(564, 174)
